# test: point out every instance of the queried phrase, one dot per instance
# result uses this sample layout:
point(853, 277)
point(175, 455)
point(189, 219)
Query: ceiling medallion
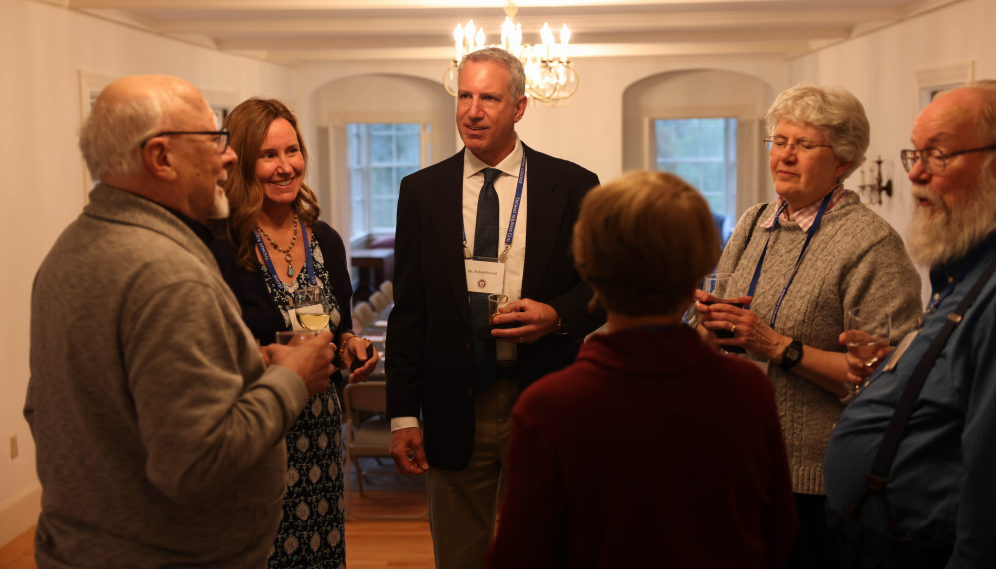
point(550, 77)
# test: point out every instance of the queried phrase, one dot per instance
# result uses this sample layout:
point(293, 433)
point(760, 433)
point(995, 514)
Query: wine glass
point(867, 332)
point(312, 307)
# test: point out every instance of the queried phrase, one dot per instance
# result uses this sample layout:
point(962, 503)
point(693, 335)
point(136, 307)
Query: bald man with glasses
point(159, 424)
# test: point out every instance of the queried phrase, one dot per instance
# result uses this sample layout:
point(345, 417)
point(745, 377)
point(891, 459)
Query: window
point(380, 155)
point(703, 152)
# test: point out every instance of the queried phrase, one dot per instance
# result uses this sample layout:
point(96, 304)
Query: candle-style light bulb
point(565, 36)
point(547, 37)
point(507, 33)
point(480, 38)
point(469, 35)
point(518, 39)
point(458, 36)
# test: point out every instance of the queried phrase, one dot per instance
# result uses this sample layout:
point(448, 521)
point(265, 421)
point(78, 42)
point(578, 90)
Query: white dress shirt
point(515, 260)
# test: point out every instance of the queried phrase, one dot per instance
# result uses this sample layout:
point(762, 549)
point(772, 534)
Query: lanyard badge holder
point(487, 274)
point(308, 312)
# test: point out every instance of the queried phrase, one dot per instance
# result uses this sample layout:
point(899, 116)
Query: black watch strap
point(791, 355)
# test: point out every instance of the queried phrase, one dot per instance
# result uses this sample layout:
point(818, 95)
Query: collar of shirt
point(472, 165)
point(807, 215)
point(199, 229)
point(944, 274)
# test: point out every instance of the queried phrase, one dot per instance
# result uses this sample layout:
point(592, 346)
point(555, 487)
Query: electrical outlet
point(13, 447)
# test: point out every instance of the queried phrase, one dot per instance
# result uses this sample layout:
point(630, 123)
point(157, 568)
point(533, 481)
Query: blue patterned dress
point(312, 531)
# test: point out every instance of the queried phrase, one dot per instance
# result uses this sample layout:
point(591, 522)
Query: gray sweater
point(854, 259)
point(160, 437)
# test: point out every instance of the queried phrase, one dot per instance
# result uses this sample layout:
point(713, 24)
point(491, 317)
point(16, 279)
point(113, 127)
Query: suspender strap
point(879, 474)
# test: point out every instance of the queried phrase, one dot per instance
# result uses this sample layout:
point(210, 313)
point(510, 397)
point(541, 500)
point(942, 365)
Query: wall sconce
point(876, 189)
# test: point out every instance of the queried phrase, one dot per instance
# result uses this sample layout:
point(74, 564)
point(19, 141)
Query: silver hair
point(111, 135)
point(516, 73)
point(838, 115)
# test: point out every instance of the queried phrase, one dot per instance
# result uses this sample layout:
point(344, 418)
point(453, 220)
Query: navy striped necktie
point(485, 245)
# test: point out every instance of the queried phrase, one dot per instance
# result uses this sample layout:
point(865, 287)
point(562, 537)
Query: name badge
point(487, 276)
point(900, 350)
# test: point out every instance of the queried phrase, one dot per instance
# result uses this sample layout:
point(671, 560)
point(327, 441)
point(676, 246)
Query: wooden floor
point(369, 543)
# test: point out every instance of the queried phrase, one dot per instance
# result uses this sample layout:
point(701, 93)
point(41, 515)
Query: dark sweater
point(652, 450)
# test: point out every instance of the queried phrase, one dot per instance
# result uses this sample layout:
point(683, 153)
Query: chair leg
point(359, 475)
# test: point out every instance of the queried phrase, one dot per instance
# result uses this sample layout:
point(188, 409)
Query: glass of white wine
point(867, 332)
point(312, 308)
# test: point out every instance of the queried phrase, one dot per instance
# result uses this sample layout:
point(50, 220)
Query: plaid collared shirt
point(807, 215)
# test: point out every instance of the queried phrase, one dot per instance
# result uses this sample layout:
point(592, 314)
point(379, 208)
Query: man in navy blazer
point(437, 369)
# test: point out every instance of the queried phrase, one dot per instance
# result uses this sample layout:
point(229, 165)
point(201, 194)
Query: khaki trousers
point(463, 505)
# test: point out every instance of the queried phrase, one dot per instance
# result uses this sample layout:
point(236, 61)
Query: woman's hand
point(749, 332)
point(356, 350)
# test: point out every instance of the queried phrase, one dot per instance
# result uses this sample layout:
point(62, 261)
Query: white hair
point(516, 73)
point(951, 232)
point(838, 115)
point(111, 135)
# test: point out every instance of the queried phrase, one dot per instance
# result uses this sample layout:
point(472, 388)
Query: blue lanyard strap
point(512, 220)
point(269, 263)
point(760, 262)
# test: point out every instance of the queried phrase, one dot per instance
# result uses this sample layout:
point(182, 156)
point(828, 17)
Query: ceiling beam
point(286, 5)
point(578, 51)
point(579, 24)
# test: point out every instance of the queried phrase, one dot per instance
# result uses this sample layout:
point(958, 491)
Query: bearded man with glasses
point(911, 464)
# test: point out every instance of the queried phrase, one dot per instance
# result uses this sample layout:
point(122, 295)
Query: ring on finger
point(733, 329)
point(522, 339)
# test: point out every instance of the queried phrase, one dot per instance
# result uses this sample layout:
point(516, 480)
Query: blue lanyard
point(760, 262)
point(269, 264)
point(512, 219)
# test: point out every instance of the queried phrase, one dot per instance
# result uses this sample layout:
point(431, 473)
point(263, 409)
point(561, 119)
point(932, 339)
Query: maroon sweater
point(651, 450)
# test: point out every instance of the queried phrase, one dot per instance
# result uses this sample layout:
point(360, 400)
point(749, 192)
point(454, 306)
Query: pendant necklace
point(286, 252)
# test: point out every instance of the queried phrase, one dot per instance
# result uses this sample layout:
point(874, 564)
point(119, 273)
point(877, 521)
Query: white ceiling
point(298, 32)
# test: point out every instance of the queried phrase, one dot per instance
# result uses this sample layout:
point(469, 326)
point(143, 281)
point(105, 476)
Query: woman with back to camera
point(713, 488)
point(801, 263)
point(271, 245)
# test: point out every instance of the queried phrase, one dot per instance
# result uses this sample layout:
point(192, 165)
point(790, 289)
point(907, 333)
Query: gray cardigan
point(854, 259)
point(160, 437)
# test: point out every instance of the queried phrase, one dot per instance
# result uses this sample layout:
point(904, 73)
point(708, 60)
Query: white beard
point(941, 234)
point(221, 209)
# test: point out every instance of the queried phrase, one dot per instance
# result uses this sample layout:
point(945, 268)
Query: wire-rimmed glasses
point(779, 143)
point(221, 142)
point(934, 159)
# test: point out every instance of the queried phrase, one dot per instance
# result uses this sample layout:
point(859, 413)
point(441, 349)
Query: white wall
point(880, 69)
point(44, 48)
point(588, 131)
point(699, 93)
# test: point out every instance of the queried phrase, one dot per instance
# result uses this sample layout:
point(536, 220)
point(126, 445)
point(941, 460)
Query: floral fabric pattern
point(312, 529)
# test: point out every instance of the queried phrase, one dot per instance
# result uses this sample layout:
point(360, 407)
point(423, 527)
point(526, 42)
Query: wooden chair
point(370, 438)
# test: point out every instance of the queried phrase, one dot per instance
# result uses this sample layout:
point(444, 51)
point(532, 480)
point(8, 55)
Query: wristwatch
point(791, 355)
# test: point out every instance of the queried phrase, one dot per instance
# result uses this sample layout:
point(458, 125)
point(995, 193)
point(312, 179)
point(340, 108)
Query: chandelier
point(550, 77)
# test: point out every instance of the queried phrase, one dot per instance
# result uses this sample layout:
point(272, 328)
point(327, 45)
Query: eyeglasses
point(221, 142)
point(780, 142)
point(934, 161)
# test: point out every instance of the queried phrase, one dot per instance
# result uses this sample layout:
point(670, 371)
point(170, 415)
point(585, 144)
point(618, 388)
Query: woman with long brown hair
point(271, 245)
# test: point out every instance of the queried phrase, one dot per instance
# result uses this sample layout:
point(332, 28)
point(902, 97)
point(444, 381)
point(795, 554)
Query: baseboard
point(19, 513)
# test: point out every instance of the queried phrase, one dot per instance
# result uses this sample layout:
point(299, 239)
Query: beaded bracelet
point(342, 352)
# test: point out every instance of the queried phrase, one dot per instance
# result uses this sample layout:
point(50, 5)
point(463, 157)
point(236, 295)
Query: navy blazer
point(430, 368)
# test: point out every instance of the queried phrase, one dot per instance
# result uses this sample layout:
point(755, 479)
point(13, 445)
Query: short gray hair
point(516, 73)
point(111, 135)
point(838, 115)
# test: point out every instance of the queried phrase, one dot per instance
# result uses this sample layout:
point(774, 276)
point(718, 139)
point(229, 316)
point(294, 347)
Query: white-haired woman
point(799, 264)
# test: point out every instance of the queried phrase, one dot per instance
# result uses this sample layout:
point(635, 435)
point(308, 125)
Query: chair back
point(368, 396)
point(364, 314)
point(387, 287)
point(379, 301)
